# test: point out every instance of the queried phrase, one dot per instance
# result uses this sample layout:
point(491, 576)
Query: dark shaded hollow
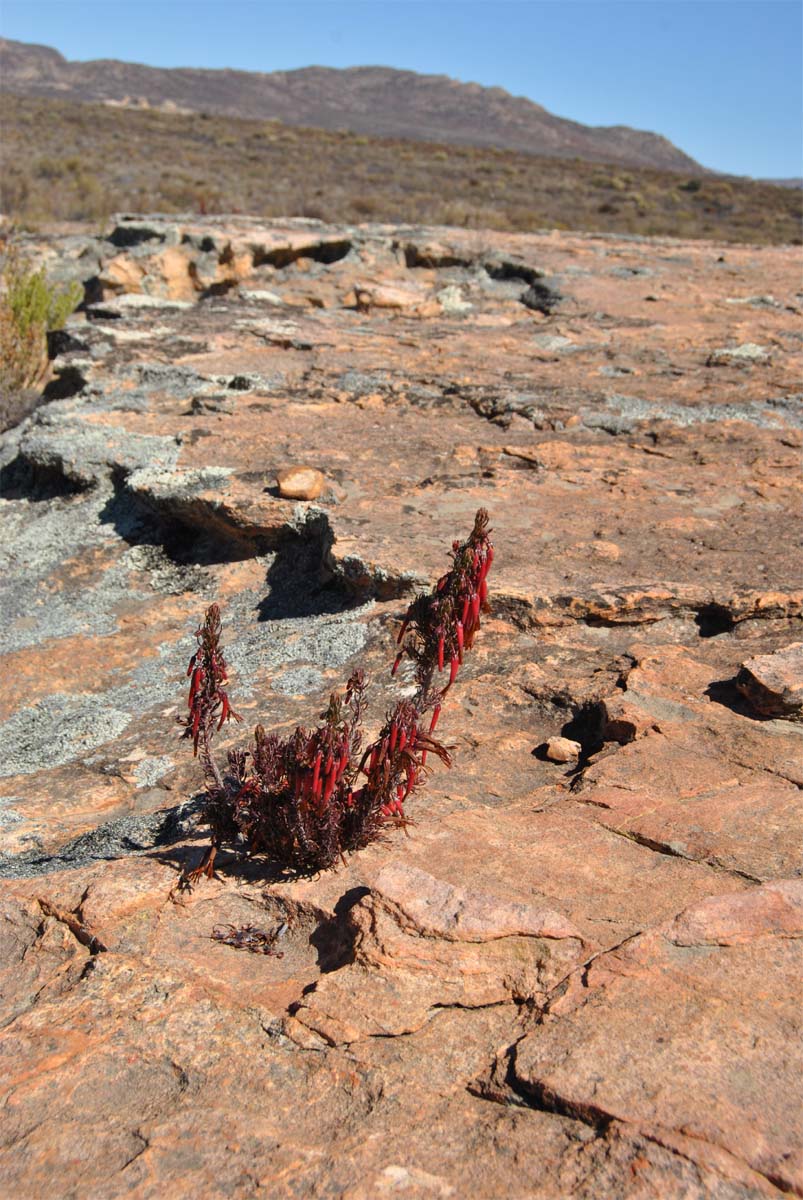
point(284, 256)
point(334, 940)
point(586, 727)
point(69, 382)
point(714, 619)
point(183, 543)
point(124, 237)
point(22, 479)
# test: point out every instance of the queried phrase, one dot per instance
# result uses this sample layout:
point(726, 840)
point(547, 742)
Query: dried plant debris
point(250, 937)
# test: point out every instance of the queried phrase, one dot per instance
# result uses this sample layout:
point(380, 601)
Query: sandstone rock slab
point(714, 990)
point(773, 683)
point(641, 504)
point(421, 944)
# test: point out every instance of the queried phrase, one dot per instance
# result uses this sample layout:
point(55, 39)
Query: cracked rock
point(715, 995)
point(422, 944)
point(570, 982)
point(773, 683)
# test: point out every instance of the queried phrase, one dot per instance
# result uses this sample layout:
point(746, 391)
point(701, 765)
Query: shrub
point(29, 307)
point(306, 800)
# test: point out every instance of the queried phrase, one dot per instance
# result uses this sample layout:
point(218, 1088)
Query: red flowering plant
point(306, 800)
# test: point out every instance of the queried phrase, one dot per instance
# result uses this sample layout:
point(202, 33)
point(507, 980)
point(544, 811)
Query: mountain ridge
point(373, 100)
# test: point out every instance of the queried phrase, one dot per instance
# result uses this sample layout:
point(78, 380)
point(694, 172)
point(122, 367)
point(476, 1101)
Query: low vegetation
point(306, 800)
point(65, 162)
point(30, 306)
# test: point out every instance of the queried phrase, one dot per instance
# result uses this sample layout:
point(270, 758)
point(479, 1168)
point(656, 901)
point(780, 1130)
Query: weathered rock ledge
point(571, 979)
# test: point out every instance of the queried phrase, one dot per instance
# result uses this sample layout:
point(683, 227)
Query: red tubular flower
point(208, 702)
point(445, 622)
point(329, 785)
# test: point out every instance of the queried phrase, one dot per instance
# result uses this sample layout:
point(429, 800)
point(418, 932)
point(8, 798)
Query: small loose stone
point(562, 750)
point(300, 483)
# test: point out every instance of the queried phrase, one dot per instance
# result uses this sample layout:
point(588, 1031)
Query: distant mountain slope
point(371, 100)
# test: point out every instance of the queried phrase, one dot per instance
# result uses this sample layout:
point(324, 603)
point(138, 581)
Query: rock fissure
point(82, 934)
point(658, 847)
point(666, 1142)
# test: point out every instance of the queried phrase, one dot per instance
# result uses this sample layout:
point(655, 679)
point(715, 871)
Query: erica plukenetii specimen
point(441, 626)
point(208, 700)
point(308, 799)
point(295, 799)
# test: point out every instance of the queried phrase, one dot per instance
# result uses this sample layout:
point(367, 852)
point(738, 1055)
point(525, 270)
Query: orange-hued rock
point(773, 683)
point(420, 943)
point(300, 483)
point(562, 750)
point(693, 1070)
point(565, 978)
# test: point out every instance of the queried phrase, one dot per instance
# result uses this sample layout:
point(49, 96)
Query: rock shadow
point(713, 620)
point(726, 693)
point(22, 479)
point(301, 584)
point(135, 833)
point(183, 544)
point(334, 939)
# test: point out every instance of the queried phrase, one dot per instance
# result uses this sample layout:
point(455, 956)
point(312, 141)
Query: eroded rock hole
point(713, 620)
point(587, 726)
point(126, 236)
point(69, 382)
point(284, 256)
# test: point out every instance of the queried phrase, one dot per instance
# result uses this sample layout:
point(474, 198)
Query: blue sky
point(723, 79)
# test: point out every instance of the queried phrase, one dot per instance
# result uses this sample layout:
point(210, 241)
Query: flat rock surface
point(572, 978)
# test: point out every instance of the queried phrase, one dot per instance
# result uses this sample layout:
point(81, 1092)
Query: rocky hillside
point(576, 975)
point(371, 100)
point(63, 160)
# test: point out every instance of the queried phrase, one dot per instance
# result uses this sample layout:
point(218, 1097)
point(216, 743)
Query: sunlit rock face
point(570, 977)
